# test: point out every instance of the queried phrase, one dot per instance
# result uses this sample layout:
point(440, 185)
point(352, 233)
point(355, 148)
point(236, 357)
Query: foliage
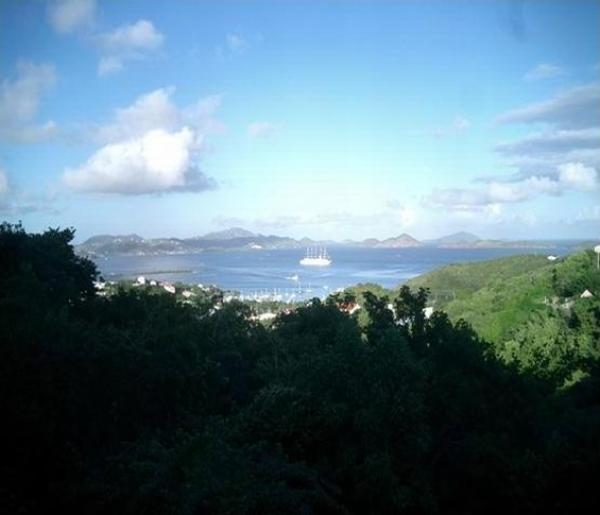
point(534, 316)
point(139, 402)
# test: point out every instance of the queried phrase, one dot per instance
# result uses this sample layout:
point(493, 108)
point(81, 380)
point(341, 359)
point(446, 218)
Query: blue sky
point(326, 119)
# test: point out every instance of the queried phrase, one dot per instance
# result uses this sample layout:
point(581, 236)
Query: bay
point(278, 273)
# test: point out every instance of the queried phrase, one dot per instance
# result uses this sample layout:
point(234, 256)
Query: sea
point(277, 274)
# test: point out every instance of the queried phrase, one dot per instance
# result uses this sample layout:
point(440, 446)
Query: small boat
point(316, 257)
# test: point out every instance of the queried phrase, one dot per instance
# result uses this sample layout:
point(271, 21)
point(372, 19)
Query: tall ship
point(316, 257)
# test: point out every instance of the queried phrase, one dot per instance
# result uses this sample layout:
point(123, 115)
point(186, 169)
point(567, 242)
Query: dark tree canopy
point(137, 403)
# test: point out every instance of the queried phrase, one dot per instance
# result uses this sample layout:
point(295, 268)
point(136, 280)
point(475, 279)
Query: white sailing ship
point(316, 257)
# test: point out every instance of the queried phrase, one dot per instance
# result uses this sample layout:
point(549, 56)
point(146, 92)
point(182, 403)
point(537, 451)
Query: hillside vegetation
point(135, 402)
point(531, 309)
point(461, 280)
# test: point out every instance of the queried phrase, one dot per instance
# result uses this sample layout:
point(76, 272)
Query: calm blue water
point(268, 271)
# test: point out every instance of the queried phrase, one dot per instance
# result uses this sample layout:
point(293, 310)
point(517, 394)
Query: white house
point(586, 294)
point(263, 317)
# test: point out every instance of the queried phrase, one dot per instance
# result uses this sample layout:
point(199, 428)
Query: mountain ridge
point(237, 238)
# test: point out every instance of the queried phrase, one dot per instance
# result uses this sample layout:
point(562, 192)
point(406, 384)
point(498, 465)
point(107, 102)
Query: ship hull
point(315, 262)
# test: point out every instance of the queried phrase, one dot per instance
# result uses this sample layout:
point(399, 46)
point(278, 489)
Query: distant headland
point(237, 238)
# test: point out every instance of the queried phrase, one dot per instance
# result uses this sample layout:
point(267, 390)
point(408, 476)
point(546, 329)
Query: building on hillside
point(349, 307)
point(263, 317)
point(586, 294)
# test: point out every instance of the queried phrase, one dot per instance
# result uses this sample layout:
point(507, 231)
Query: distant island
point(237, 238)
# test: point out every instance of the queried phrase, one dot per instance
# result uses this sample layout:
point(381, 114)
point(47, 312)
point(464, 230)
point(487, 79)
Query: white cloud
point(20, 102)
point(568, 177)
point(156, 110)
point(578, 176)
point(149, 111)
point(128, 42)
point(67, 16)
point(262, 129)
point(576, 108)
point(150, 146)
point(543, 71)
point(542, 153)
point(140, 35)
point(159, 161)
point(572, 136)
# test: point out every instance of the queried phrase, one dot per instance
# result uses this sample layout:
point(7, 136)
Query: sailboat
point(316, 257)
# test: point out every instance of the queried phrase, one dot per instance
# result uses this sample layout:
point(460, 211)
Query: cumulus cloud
point(541, 153)
point(262, 129)
point(159, 161)
point(20, 101)
point(128, 42)
point(149, 111)
point(572, 135)
point(141, 35)
point(543, 71)
point(156, 110)
point(577, 108)
point(578, 176)
point(568, 177)
point(151, 146)
point(67, 16)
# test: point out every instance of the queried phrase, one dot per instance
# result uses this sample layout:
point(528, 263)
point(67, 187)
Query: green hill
point(461, 280)
point(497, 296)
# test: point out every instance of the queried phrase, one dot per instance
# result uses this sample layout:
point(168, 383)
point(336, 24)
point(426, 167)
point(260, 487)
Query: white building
point(263, 317)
